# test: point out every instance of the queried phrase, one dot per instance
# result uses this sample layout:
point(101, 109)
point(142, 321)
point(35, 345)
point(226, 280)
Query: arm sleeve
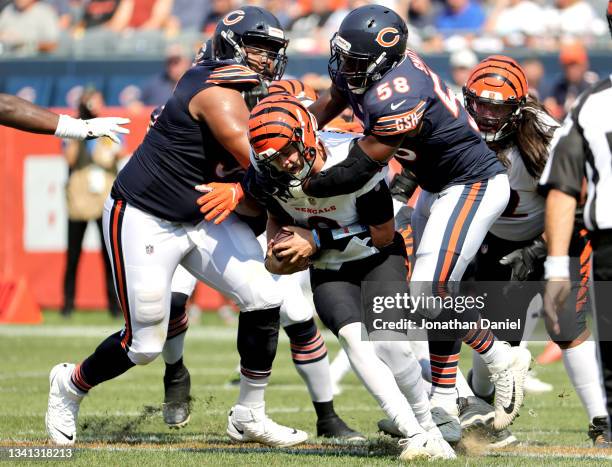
point(344, 178)
point(376, 206)
point(564, 169)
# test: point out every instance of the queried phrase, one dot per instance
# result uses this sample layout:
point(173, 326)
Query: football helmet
point(293, 87)
point(495, 94)
point(252, 30)
point(371, 41)
point(279, 126)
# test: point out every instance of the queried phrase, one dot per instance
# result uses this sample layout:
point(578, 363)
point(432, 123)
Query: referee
point(582, 148)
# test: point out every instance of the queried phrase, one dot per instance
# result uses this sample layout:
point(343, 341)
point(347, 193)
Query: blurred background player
point(92, 169)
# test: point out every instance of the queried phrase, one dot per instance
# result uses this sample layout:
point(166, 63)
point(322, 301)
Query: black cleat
point(598, 432)
point(488, 399)
point(334, 427)
point(176, 406)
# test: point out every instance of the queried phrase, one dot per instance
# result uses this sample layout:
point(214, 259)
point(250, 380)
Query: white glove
point(75, 128)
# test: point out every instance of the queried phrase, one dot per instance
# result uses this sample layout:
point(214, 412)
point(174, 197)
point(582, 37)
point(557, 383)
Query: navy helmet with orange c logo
point(495, 94)
point(251, 28)
point(371, 41)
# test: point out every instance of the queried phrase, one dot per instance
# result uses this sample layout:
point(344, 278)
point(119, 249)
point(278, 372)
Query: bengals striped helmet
point(305, 94)
point(283, 137)
point(495, 94)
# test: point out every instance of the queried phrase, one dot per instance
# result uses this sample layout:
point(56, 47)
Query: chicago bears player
point(519, 130)
point(153, 225)
point(23, 115)
point(308, 348)
point(409, 113)
point(352, 240)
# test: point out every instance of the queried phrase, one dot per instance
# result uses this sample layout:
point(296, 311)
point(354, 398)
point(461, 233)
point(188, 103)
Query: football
point(282, 236)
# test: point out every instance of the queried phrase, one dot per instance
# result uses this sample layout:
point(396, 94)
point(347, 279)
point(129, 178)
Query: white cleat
point(509, 387)
point(63, 406)
point(252, 425)
point(425, 445)
point(534, 385)
point(446, 418)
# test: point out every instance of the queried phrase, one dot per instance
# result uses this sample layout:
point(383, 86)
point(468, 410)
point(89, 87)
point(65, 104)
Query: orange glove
point(220, 200)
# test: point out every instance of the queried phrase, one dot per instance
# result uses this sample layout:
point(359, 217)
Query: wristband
point(315, 237)
point(71, 128)
point(556, 266)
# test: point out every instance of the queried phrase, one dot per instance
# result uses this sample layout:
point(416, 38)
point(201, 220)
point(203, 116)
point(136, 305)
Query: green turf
point(120, 422)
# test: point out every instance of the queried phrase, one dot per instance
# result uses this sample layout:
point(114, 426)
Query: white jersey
point(523, 218)
point(336, 212)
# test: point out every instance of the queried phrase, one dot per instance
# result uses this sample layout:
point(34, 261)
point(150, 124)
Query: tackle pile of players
point(301, 212)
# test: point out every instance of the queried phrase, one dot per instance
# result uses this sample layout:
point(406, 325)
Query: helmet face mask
point(295, 153)
point(496, 120)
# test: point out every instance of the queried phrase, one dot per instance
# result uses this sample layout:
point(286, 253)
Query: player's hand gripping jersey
point(179, 152)
point(345, 218)
point(442, 146)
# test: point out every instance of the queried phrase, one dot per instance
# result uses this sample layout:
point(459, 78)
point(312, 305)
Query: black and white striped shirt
point(582, 147)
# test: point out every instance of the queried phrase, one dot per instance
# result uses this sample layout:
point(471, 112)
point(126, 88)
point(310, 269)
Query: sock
point(324, 409)
point(584, 373)
point(309, 354)
point(481, 377)
point(177, 327)
point(378, 379)
point(407, 373)
point(171, 368)
point(444, 359)
point(481, 340)
point(339, 366)
point(108, 361)
point(252, 391)
point(497, 357)
point(463, 388)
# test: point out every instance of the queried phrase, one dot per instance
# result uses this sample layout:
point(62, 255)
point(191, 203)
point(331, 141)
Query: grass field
point(120, 422)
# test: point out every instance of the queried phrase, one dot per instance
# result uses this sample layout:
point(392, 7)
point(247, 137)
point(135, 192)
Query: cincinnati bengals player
point(153, 224)
point(519, 129)
point(352, 240)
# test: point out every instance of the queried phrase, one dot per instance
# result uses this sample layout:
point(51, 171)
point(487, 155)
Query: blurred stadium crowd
point(108, 27)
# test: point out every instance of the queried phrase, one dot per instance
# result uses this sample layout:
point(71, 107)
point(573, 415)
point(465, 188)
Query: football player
point(347, 239)
point(153, 224)
point(409, 113)
point(308, 348)
point(23, 115)
point(518, 128)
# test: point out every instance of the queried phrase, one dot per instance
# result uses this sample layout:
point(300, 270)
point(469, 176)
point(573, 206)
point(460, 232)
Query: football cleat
point(389, 428)
point(473, 410)
point(425, 445)
point(252, 425)
point(599, 432)
point(176, 406)
point(63, 406)
point(534, 385)
point(446, 418)
point(335, 427)
point(509, 387)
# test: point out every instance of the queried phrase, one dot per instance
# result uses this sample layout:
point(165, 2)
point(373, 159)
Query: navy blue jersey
point(448, 149)
point(179, 152)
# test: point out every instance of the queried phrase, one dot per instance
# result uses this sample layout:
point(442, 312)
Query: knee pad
point(307, 344)
point(178, 317)
point(149, 295)
point(296, 308)
point(143, 357)
point(258, 339)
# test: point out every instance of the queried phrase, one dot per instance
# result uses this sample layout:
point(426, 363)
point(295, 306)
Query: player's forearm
point(23, 115)
point(343, 178)
point(559, 222)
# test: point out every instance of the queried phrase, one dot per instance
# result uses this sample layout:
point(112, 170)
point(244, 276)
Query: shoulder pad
point(233, 74)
